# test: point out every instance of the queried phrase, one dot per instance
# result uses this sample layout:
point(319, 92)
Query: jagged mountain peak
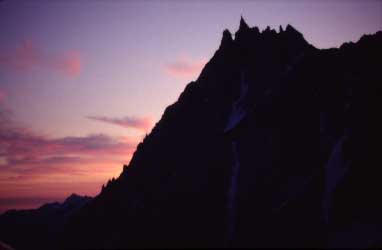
point(247, 35)
point(243, 25)
point(189, 180)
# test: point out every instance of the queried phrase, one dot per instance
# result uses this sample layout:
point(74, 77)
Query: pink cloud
point(25, 154)
point(27, 57)
point(185, 67)
point(140, 123)
point(20, 148)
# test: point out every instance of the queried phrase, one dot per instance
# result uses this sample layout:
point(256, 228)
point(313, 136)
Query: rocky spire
point(281, 29)
point(243, 29)
point(243, 24)
point(226, 39)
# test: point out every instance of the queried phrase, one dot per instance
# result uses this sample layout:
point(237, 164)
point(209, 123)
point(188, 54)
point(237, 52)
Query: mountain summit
point(269, 147)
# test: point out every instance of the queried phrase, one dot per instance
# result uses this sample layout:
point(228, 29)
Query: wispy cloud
point(23, 146)
point(28, 56)
point(140, 123)
point(185, 67)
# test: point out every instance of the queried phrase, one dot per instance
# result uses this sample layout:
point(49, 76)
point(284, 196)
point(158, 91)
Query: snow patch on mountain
point(238, 111)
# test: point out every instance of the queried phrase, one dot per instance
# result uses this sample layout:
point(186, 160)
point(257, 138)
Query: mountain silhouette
point(269, 147)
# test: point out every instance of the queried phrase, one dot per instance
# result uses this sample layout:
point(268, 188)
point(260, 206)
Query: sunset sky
point(81, 82)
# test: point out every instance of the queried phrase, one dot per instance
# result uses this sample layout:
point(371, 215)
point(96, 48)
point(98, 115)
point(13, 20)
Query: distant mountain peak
point(74, 199)
point(42, 224)
point(72, 196)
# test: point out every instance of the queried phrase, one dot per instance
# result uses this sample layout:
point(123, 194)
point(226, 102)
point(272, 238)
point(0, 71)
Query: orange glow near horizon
point(83, 179)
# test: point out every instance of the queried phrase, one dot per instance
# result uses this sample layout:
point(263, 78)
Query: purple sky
point(78, 78)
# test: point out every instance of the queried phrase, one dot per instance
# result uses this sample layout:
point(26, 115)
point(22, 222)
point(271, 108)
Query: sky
point(82, 82)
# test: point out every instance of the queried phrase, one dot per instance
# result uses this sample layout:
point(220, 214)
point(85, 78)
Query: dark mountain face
point(269, 147)
point(38, 228)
